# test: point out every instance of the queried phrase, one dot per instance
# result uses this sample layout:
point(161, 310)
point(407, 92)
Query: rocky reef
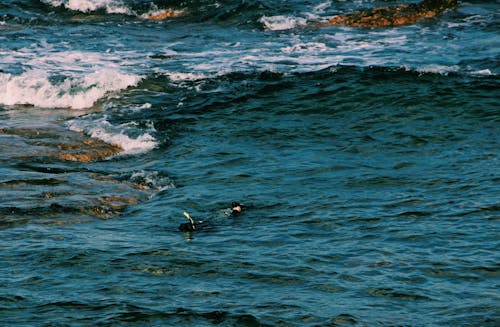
point(392, 16)
point(63, 181)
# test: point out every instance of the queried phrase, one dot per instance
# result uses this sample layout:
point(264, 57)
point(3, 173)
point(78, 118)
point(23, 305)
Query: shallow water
point(367, 159)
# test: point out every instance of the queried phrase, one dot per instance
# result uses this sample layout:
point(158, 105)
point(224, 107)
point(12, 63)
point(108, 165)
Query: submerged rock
point(70, 146)
point(56, 189)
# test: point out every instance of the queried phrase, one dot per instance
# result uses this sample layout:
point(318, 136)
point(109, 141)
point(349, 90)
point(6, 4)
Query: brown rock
point(164, 15)
point(392, 16)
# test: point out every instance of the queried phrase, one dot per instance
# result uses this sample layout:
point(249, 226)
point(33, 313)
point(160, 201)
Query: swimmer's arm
point(190, 219)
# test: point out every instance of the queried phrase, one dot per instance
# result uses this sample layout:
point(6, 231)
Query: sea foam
point(438, 69)
point(281, 23)
point(111, 6)
point(128, 136)
point(37, 88)
point(312, 47)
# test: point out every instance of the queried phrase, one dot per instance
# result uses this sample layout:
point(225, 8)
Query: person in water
point(236, 208)
point(192, 225)
point(392, 16)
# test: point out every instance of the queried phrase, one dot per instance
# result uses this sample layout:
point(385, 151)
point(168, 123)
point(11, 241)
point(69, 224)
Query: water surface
point(367, 158)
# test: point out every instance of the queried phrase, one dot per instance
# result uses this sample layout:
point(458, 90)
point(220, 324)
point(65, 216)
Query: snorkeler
point(193, 226)
point(236, 208)
point(392, 16)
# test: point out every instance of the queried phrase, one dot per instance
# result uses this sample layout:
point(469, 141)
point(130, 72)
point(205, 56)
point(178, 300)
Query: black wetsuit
point(197, 226)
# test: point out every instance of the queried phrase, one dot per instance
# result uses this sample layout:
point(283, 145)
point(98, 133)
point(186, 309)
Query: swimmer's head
point(236, 208)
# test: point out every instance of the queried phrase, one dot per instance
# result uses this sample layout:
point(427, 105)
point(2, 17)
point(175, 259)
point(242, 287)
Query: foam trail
point(36, 88)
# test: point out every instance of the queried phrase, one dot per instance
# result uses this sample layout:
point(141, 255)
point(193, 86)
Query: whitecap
point(438, 69)
point(321, 7)
point(111, 6)
point(484, 72)
point(313, 47)
point(180, 77)
point(281, 23)
point(147, 105)
point(37, 88)
point(69, 61)
point(127, 136)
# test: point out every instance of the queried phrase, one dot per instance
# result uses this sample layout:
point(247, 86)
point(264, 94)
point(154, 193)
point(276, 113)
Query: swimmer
point(192, 225)
point(392, 16)
point(236, 208)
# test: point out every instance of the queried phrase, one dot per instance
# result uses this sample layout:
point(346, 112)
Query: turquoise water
point(367, 159)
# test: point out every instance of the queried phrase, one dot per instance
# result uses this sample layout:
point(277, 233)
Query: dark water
point(368, 160)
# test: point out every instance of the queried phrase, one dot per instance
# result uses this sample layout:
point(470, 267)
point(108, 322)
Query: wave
point(229, 81)
point(127, 136)
point(274, 15)
point(110, 6)
point(37, 88)
point(34, 12)
point(225, 11)
point(44, 89)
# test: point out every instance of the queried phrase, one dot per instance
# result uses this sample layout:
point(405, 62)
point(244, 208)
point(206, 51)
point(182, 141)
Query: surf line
point(392, 16)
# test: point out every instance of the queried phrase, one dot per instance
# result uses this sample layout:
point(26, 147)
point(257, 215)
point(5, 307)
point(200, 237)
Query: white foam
point(152, 179)
point(127, 136)
point(72, 61)
point(147, 105)
point(314, 47)
point(438, 69)
point(36, 87)
point(484, 72)
point(111, 6)
point(142, 143)
point(320, 8)
point(135, 108)
point(57, 59)
point(281, 23)
point(180, 77)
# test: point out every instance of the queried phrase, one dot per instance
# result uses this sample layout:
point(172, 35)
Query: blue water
point(368, 161)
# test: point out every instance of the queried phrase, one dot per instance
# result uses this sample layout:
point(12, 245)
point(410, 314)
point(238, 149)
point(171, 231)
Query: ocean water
point(368, 161)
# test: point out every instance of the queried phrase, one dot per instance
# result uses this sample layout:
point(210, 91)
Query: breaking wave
point(37, 88)
point(110, 6)
point(128, 136)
